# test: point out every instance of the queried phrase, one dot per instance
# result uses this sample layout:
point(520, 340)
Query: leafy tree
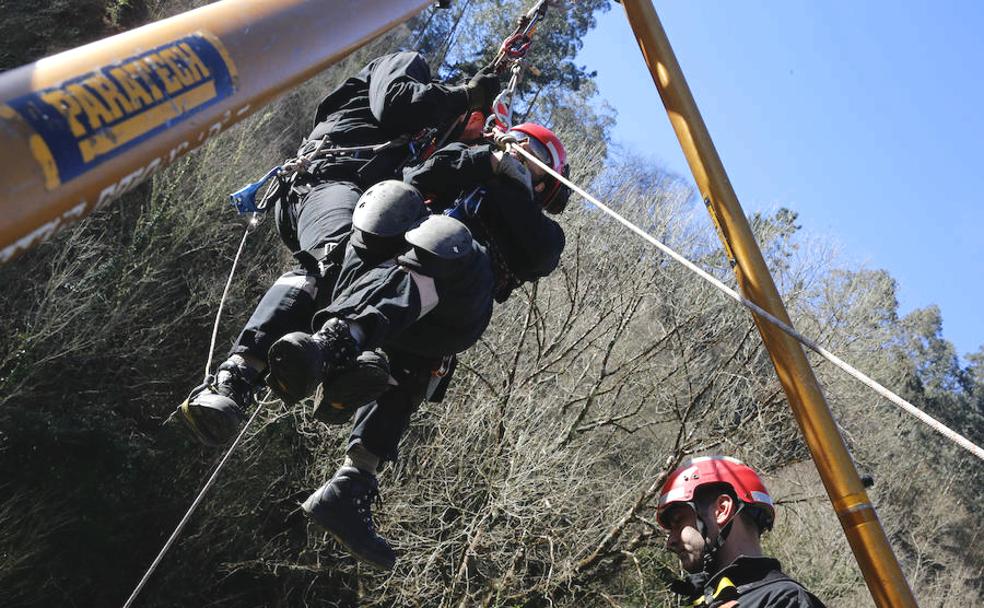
point(558, 92)
point(533, 484)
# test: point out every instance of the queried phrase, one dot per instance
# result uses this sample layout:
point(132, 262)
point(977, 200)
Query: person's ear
point(724, 509)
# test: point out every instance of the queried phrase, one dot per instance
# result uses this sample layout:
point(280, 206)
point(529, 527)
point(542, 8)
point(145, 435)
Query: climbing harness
point(308, 161)
point(936, 425)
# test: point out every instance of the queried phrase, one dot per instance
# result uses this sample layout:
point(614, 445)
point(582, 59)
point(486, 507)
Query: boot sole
point(210, 425)
point(336, 402)
point(292, 376)
point(188, 419)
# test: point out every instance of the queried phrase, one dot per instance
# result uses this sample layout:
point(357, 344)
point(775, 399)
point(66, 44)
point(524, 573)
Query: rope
point(250, 226)
point(194, 504)
point(513, 51)
point(936, 425)
point(253, 221)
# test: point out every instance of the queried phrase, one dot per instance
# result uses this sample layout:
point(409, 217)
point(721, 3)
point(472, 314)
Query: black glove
point(482, 89)
point(514, 169)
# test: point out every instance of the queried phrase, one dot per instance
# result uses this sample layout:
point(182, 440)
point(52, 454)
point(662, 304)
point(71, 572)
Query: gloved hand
point(502, 139)
point(482, 89)
point(511, 167)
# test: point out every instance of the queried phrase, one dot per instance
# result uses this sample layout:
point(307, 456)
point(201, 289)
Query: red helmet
point(546, 146)
point(683, 482)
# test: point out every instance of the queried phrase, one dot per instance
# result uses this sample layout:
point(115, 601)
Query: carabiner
point(516, 46)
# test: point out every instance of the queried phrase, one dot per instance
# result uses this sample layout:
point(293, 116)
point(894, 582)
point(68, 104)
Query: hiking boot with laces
point(343, 508)
point(215, 411)
point(299, 362)
point(346, 391)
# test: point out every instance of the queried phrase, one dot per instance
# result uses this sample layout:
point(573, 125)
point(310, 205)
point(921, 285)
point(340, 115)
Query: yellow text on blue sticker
point(90, 119)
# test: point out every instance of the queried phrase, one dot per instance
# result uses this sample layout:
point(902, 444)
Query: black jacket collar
point(743, 570)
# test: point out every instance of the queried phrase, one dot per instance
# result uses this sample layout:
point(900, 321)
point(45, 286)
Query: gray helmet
point(442, 236)
point(387, 209)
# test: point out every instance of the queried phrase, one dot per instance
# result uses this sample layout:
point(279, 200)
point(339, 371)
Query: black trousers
point(323, 216)
point(380, 425)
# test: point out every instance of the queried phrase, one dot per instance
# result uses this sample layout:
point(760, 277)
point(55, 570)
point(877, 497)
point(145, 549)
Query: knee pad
point(301, 280)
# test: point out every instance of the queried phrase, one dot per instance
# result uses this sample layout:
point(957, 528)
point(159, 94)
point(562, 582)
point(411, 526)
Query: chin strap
point(693, 585)
point(711, 548)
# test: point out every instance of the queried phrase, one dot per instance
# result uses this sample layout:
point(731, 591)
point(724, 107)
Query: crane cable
point(936, 425)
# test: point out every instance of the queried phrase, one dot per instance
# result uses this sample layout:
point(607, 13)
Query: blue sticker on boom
point(88, 120)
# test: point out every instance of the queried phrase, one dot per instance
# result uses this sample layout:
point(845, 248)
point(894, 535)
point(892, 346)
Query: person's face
point(535, 169)
point(537, 173)
point(684, 539)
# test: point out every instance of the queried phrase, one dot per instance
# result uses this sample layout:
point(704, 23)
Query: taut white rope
point(936, 425)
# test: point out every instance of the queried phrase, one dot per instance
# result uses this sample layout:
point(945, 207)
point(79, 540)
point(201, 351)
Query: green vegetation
point(531, 485)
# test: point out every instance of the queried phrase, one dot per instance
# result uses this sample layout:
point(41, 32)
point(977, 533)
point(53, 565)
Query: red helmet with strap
point(683, 482)
point(546, 146)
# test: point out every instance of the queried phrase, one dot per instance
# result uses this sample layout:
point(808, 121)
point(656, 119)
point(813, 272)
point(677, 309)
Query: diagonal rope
point(194, 505)
point(936, 425)
point(254, 220)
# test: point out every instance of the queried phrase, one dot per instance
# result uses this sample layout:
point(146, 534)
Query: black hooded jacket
point(391, 97)
point(748, 582)
point(508, 222)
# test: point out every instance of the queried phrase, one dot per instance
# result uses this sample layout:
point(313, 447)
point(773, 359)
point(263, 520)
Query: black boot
point(342, 507)
point(341, 395)
point(299, 362)
point(215, 412)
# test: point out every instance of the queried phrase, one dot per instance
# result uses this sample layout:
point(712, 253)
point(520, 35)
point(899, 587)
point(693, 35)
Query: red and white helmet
point(683, 482)
point(546, 146)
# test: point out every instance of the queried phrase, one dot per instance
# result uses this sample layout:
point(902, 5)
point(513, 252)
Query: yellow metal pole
point(80, 128)
point(857, 515)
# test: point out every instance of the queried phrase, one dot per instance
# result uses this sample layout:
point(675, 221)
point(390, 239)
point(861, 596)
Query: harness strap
point(467, 208)
point(323, 259)
point(725, 590)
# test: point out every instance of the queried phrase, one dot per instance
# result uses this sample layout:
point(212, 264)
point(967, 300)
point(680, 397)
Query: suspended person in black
point(422, 291)
point(715, 509)
point(383, 106)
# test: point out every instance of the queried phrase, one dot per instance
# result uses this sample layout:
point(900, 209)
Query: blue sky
point(867, 118)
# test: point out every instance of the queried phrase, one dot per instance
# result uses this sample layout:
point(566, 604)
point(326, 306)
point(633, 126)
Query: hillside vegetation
point(533, 483)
